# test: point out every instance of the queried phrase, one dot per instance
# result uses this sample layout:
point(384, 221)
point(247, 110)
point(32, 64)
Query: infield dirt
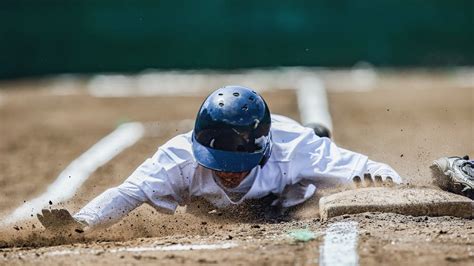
point(407, 121)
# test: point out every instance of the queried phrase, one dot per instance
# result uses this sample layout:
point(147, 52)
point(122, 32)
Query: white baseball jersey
point(299, 160)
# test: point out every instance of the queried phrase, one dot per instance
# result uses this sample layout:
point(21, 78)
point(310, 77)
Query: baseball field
point(48, 127)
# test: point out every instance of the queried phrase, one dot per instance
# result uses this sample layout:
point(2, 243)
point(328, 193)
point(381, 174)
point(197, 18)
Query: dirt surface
point(406, 127)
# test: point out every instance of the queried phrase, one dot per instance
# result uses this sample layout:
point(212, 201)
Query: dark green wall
point(56, 36)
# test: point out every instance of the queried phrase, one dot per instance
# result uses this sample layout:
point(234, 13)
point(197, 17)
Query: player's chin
point(229, 183)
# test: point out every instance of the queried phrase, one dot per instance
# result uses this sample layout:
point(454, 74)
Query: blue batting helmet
point(232, 130)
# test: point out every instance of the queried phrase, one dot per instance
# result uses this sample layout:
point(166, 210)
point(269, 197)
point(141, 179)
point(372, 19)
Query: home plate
point(407, 201)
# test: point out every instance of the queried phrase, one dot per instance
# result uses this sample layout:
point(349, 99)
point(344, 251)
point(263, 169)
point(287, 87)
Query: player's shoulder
point(174, 156)
point(181, 141)
point(178, 148)
point(285, 129)
point(289, 138)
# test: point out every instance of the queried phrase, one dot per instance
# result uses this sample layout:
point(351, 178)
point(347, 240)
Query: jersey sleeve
point(159, 181)
point(322, 161)
point(109, 207)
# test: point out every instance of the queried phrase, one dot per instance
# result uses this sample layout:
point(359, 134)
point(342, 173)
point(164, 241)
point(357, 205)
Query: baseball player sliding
point(238, 150)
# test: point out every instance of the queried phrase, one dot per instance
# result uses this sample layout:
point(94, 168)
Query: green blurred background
point(40, 37)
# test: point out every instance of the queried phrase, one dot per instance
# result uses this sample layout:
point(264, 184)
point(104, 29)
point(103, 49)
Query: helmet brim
point(225, 161)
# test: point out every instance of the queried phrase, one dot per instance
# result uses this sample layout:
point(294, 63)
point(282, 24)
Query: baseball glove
point(455, 174)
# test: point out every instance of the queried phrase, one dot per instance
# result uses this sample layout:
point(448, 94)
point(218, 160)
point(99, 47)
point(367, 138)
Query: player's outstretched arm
point(106, 209)
point(158, 181)
point(111, 206)
point(335, 165)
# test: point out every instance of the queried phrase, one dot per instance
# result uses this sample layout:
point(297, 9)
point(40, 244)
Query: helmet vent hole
point(221, 104)
point(251, 98)
point(236, 94)
point(220, 94)
point(245, 108)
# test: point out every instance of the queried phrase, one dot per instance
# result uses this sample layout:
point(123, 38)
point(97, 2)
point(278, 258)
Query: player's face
point(229, 179)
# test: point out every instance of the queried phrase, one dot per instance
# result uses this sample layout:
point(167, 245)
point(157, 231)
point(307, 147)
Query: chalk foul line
point(77, 172)
point(176, 247)
point(313, 103)
point(340, 245)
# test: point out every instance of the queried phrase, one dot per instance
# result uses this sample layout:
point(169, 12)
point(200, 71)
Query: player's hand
point(369, 181)
point(60, 220)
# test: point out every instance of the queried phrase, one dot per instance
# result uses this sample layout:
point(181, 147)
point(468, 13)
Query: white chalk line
point(340, 241)
point(77, 172)
point(313, 103)
point(176, 247)
point(340, 245)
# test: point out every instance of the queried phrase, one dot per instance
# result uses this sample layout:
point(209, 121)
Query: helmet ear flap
point(266, 153)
